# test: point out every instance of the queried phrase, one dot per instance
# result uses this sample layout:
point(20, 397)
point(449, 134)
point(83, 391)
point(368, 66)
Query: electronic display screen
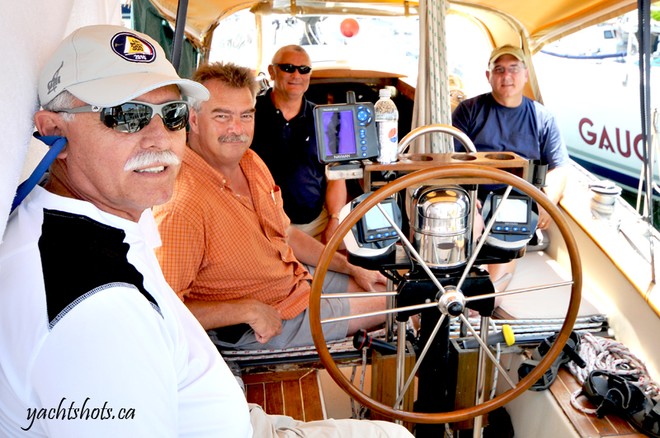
point(514, 224)
point(339, 133)
point(514, 210)
point(345, 132)
point(373, 227)
point(375, 219)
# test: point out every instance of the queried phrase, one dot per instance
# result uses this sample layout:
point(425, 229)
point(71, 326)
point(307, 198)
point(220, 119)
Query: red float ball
point(349, 27)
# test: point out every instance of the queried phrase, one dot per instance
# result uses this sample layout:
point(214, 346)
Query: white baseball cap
point(106, 65)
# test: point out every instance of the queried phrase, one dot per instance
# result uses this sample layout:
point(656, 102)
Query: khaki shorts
point(280, 426)
point(316, 227)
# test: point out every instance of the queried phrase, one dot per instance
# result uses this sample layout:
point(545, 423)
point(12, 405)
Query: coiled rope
point(605, 354)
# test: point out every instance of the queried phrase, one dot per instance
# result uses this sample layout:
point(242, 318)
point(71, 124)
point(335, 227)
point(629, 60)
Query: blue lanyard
point(56, 143)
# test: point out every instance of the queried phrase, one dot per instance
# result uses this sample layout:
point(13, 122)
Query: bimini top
point(538, 21)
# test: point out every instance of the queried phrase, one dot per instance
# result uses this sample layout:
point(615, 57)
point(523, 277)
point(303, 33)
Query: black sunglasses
point(132, 116)
point(290, 68)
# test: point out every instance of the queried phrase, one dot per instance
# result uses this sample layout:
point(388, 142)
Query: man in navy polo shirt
point(285, 138)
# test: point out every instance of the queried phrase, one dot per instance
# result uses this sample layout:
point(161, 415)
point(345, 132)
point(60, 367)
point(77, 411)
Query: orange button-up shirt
point(219, 246)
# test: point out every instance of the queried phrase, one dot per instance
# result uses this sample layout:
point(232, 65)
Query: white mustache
point(152, 158)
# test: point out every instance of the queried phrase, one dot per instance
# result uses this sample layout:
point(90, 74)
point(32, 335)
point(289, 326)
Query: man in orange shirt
point(229, 250)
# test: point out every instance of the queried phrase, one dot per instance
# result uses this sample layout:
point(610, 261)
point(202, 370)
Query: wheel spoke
point(358, 295)
point(520, 291)
point(420, 359)
point(486, 350)
point(379, 312)
point(482, 240)
point(414, 252)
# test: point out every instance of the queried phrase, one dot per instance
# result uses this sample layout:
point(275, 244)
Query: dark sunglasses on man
point(290, 68)
point(132, 116)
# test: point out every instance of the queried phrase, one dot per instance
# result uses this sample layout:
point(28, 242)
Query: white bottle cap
point(384, 92)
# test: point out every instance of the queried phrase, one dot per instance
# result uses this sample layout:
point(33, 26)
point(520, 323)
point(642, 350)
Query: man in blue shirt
point(506, 120)
point(285, 139)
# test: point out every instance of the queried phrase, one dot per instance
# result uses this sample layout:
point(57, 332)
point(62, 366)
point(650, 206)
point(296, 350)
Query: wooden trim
point(347, 72)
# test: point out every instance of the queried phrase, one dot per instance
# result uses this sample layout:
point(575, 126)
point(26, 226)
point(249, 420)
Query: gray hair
point(62, 101)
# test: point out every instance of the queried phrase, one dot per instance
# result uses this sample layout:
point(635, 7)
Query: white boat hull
point(598, 112)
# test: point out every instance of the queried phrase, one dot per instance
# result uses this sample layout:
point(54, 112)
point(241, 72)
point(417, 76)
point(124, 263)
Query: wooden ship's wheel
point(443, 302)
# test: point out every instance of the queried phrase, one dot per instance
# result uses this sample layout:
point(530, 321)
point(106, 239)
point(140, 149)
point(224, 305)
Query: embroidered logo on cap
point(133, 48)
point(55, 80)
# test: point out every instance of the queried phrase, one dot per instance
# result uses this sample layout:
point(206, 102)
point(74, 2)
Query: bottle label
point(388, 140)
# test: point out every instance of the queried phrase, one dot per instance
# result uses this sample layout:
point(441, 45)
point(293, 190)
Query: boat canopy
point(539, 22)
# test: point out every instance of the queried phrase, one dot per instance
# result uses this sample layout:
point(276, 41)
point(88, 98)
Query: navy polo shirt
point(289, 150)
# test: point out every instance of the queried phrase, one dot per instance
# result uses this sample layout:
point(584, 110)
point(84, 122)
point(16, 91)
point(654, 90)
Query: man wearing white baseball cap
point(93, 341)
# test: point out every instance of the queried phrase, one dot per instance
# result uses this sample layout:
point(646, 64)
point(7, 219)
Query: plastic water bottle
point(387, 125)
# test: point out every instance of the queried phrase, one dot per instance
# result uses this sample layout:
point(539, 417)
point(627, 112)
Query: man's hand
point(265, 320)
point(368, 280)
point(544, 219)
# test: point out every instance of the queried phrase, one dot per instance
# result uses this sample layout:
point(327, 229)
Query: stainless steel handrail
point(446, 129)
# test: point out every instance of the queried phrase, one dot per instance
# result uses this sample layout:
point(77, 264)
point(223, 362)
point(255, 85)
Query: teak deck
point(293, 393)
point(588, 425)
point(298, 394)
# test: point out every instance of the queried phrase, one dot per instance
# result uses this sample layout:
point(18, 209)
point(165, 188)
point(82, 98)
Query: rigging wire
point(644, 37)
